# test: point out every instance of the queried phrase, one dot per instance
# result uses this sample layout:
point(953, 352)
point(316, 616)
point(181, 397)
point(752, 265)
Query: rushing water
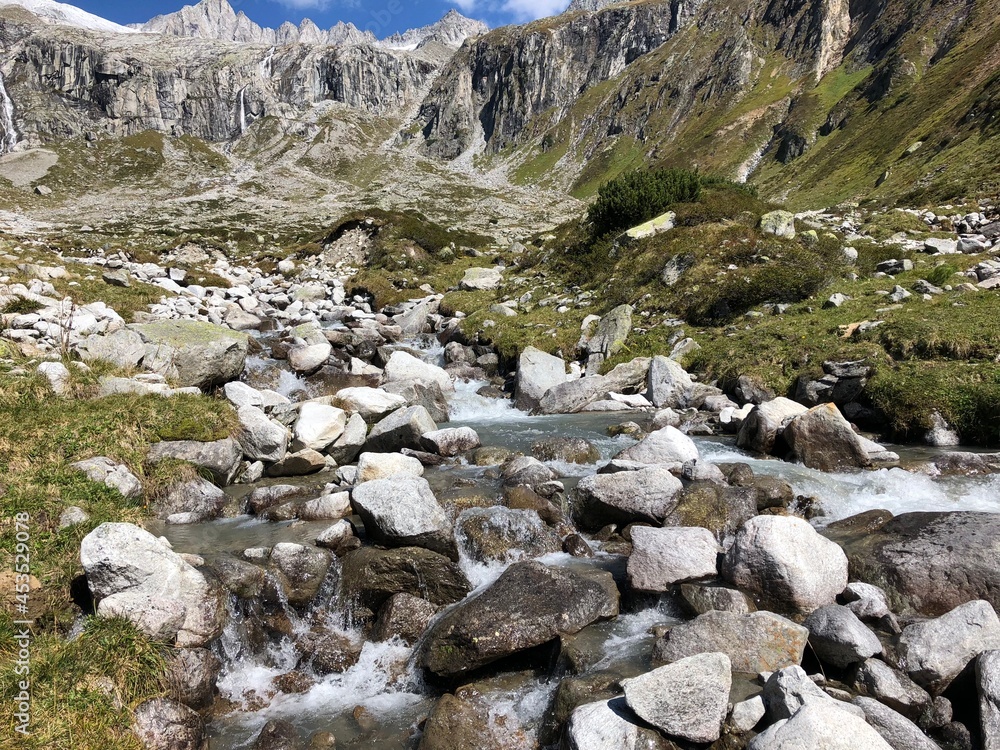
point(8, 131)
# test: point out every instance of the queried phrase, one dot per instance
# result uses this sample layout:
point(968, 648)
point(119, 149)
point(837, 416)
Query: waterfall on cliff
point(243, 111)
point(8, 132)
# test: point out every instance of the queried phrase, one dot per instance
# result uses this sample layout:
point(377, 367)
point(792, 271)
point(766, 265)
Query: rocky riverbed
point(409, 541)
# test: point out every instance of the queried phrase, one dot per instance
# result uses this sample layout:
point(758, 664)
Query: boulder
point(403, 512)
point(309, 359)
point(609, 725)
point(647, 495)
point(112, 475)
point(899, 732)
point(299, 464)
point(988, 681)
point(426, 394)
point(778, 223)
point(371, 403)
point(702, 598)
point(198, 500)
point(193, 354)
point(404, 616)
point(370, 576)
point(839, 638)
point(347, 447)
point(500, 534)
point(261, 438)
point(573, 396)
point(300, 570)
point(823, 440)
point(525, 471)
point(222, 459)
point(339, 538)
point(720, 509)
point(612, 332)
point(468, 720)
point(878, 680)
point(193, 674)
point(537, 604)
point(668, 384)
point(687, 699)
point(123, 348)
point(757, 642)
point(451, 441)
point(403, 367)
point(762, 429)
point(403, 428)
point(663, 557)
point(164, 724)
point(820, 725)
point(935, 652)
point(568, 450)
point(668, 446)
point(783, 560)
point(537, 372)
point(318, 426)
point(788, 690)
point(480, 279)
point(373, 466)
point(134, 575)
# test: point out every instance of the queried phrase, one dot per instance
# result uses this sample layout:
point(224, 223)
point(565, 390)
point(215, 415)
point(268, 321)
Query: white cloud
point(467, 6)
point(306, 4)
point(529, 10)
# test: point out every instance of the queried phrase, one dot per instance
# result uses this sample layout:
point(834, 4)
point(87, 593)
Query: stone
point(567, 450)
point(713, 506)
point(318, 426)
point(191, 353)
point(823, 440)
point(132, 574)
point(778, 223)
point(784, 560)
point(536, 604)
point(839, 638)
point(300, 570)
point(501, 534)
point(164, 724)
point(988, 682)
point(403, 428)
point(403, 512)
point(221, 458)
point(537, 373)
point(612, 332)
point(878, 680)
point(525, 471)
point(820, 726)
point(193, 674)
point(663, 557)
point(480, 279)
point(371, 403)
point(373, 466)
point(450, 442)
point(370, 576)
point(755, 643)
point(72, 516)
point(58, 376)
point(261, 438)
point(647, 495)
point(404, 616)
point(935, 652)
point(278, 734)
point(687, 699)
point(747, 714)
point(575, 395)
point(788, 690)
point(339, 538)
point(347, 447)
point(939, 246)
point(702, 598)
point(868, 602)
point(309, 359)
point(112, 475)
point(468, 720)
point(899, 732)
point(197, 497)
point(762, 429)
point(426, 394)
point(668, 446)
point(123, 348)
point(607, 725)
point(298, 464)
point(668, 384)
point(403, 367)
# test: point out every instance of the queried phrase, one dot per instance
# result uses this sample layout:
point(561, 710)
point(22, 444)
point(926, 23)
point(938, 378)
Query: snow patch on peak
point(62, 14)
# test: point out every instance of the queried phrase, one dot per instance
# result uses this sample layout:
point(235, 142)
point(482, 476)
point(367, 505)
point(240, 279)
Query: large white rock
point(318, 426)
point(480, 279)
point(668, 384)
point(403, 367)
point(308, 359)
point(58, 376)
point(134, 575)
point(785, 560)
point(372, 466)
point(260, 438)
point(896, 729)
point(404, 428)
point(788, 690)
point(451, 441)
point(838, 637)
point(115, 476)
point(123, 348)
point(821, 726)
point(192, 353)
point(687, 699)
point(668, 446)
point(766, 423)
point(662, 557)
point(401, 511)
point(605, 726)
point(370, 403)
point(537, 372)
point(626, 497)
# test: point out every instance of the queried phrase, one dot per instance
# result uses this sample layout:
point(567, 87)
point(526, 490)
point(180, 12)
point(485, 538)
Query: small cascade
point(243, 110)
point(8, 131)
point(265, 64)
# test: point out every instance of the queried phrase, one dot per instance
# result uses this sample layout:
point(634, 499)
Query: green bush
point(941, 275)
point(638, 196)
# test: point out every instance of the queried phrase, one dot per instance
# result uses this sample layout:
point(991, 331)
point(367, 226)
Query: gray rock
point(404, 367)
point(318, 426)
point(935, 652)
point(788, 690)
point(164, 724)
point(821, 726)
point(988, 681)
point(134, 575)
point(607, 725)
point(403, 512)
point(612, 332)
point(702, 598)
point(837, 299)
point(403, 428)
point(537, 372)
point(278, 734)
point(668, 384)
point(878, 680)
point(339, 538)
point(384, 465)
point(938, 246)
point(786, 561)
point(299, 464)
point(536, 605)
point(868, 602)
point(72, 516)
point(839, 638)
point(761, 430)
point(525, 471)
point(191, 353)
point(894, 267)
point(573, 396)
point(823, 440)
point(309, 359)
point(261, 438)
point(778, 223)
point(647, 495)
point(663, 557)
point(568, 450)
point(198, 497)
point(687, 699)
point(450, 442)
point(747, 714)
point(668, 447)
point(123, 348)
point(370, 576)
point(371, 403)
point(501, 534)
point(426, 394)
point(347, 447)
point(58, 376)
point(404, 616)
point(193, 674)
point(757, 642)
point(300, 570)
point(899, 732)
point(221, 458)
point(113, 475)
point(480, 279)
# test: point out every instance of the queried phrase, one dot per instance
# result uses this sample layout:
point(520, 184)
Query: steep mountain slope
point(52, 12)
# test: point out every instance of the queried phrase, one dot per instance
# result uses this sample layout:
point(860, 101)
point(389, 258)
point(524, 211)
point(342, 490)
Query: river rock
point(339, 538)
point(668, 384)
point(261, 438)
point(720, 509)
point(784, 560)
point(757, 642)
point(373, 466)
point(222, 458)
point(123, 348)
point(536, 604)
point(404, 616)
point(702, 598)
point(298, 464)
point(403, 367)
point(899, 732)
point(132, 574)
point(278, 734)
point(193, 354)
point(823, 440)
point(647, 495)
point(573, 396)
point(869, 603)
point(525, 471)
point(403, 512)
point(426, 394)
point(612, 332)
point(537, 373)
point(877, 679)
point(668, 446)
point(309, 359)
point(663, 557)
point(820, 726)
point(347, 447)
point(112, 475)
point(687, 699)
point(931, 562)
point(198, 498)
point(403, 428)
point(193, 674)
point(788, 690)
point(935, 652)
point(761, 430)
point(370, 576)
point(164, 724)
point(839, 638)
point(568, 450)
point(300, 569)
point(371, 403)
point(469, 719)
point(451, 441)
point(610, 725)
point(495, 534)
point(318, 426)
point(988, 681)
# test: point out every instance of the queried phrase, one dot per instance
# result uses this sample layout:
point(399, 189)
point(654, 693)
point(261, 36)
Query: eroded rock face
point(535, 602)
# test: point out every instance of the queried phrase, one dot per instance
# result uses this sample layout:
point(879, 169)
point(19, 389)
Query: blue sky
point(384, 17)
